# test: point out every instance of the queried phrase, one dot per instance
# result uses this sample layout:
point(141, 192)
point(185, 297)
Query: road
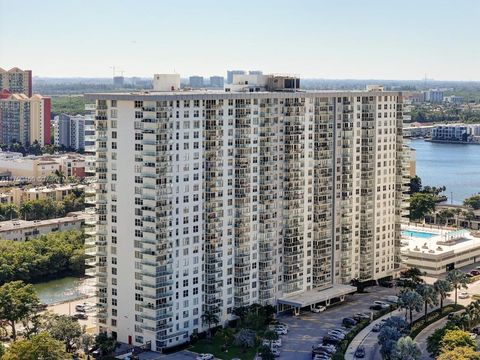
point(370, 341)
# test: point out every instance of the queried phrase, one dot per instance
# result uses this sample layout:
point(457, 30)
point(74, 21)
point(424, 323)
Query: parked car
point(281, 331)
point(329, 349)
point(204, 357)
point(361, 316)
point(275, 343)
point(331, 340)
point(360, 352)
point(336, 334)
point(376, 327)
point(80, 308)
point(468, 275)
point(473, 335)
point(276, 352)
point(80, 316)
point(476, 330)
point(475, 272)
point(450, 316)
point(319, 309)
point(376, 307)
point(463, 295)
point(348, 322)
point(322, 357)
point(279, 325)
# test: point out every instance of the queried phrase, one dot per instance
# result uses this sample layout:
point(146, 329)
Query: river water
point(456, 166)
point(68, 288)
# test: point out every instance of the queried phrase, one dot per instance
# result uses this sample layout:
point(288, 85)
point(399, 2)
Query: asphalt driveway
point(308, 328)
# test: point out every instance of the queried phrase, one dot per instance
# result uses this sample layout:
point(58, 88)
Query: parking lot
point(308, 328)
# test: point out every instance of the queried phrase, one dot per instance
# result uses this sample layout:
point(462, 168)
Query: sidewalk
point(421, 338)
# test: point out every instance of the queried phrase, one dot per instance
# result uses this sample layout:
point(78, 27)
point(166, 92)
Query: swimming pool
point(418, 234)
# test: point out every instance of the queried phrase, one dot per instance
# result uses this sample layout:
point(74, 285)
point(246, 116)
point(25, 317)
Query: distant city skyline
point(313, 39)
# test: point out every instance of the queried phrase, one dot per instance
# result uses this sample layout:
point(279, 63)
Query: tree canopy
point(17, 302)
point(420, 205)
point(473, 202)
point(457, 338)
point(40, 346)
point(63, 328)
point(48, 256)
point(43, 209)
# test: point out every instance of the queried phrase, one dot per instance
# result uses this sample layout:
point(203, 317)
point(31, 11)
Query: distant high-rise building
point(230, 74)
point(25, 119)
point(434, 96)
point(40, 119)
point(207, 201)
point(70, 132)
point(216, 81)
point(118, 81)
point(255, 72)
point(16, 81)
point(196, 81)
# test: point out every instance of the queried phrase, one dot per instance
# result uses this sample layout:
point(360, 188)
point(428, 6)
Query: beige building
point(53, 192)
point(21, 230)
point(30, 167)
point(25, 119)
point(437, 250)
point(16, 81)
point(38, 167)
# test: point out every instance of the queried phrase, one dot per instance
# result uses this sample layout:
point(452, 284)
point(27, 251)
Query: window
point(138, 104)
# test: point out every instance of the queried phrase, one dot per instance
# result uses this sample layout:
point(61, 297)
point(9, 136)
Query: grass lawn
point(214, 346)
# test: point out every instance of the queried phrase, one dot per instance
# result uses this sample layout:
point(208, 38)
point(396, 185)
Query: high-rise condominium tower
point(16, 81)
point(210, 200)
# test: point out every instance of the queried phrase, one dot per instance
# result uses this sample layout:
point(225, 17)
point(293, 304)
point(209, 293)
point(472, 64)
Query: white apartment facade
point(210, 200)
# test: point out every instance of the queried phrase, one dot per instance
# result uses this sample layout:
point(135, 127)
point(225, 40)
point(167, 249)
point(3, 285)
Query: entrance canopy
point(315, 296)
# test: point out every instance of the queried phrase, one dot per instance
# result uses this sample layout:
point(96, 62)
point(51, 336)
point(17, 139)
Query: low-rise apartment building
point(38, 167)
point(21, 230)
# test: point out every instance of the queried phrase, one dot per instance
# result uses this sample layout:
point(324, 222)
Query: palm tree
point(457, 213)
point(473, 310)
point(410, 300)
point(25, 209)
point(210, 318)
point(429, 296)
point(11, 211)
point(443, 288)
point(60, 175)
point(458, 280)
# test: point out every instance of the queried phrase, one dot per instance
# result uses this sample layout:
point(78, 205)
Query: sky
point(341, 39)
